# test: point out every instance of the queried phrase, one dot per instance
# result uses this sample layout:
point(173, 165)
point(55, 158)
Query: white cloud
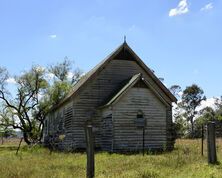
point(207, 7)
point(52, 36)
point(180, 94)
point(182, 8)
point(210, 102)
point(70, 75)
point(50, 76)
point(40, 96)
point(11, 80)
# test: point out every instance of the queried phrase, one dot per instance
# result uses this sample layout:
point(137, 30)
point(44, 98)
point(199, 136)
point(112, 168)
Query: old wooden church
point(125, 102)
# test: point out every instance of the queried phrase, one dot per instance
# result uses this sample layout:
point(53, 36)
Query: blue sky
point(180, 39)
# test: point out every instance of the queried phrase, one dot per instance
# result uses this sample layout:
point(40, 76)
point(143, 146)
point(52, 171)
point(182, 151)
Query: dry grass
point(184, 162)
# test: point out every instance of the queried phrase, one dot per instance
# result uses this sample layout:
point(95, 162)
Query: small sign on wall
point(140, 122)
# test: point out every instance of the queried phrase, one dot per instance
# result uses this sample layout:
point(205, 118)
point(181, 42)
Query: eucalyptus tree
point(22, 111)
point(191, 98)
point(35, 95)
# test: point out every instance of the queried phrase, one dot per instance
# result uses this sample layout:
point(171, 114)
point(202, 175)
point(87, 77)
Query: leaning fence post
point(19, 146)
point(90, 152)
point(211, 143)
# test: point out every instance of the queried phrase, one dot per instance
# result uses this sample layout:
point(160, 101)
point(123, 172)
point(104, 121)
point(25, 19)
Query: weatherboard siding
point(98, 90)
point(126, 135)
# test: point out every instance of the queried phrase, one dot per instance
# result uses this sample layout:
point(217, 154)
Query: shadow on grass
point(218, 163)
point(125, 152)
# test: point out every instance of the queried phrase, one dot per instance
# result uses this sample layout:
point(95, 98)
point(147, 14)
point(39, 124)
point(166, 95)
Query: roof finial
point(124, 38)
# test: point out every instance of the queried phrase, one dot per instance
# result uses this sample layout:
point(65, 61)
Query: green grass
point(184, 162)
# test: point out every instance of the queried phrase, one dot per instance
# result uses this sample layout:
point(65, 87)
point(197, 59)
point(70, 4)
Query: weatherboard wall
point(129, 137)
point(93, 94)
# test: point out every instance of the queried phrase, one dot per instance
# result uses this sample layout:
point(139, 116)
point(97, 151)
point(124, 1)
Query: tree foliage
point(26, 110)
point(63, 80)
point(175, 90)
point(17, 112)
point(191, 98)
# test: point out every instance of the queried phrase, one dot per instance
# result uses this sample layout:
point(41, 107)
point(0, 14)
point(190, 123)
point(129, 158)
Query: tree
point(36, 95)
point(218, 112)
point(208, 114)
point(61, 70)
point(2, 134)
point(18, 112)
point(6, 132)
point(175, 90)
point(191, 98)
point(63, 80)
point(205, 115)
point(181, 126)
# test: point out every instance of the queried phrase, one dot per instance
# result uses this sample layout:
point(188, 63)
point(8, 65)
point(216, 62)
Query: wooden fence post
point(90, 172)
point(2, 138)
point(202, 140)
point(211, 143)
point(19, 146)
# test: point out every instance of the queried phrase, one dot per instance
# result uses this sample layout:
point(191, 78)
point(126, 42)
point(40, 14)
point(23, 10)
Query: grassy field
point(184, 162)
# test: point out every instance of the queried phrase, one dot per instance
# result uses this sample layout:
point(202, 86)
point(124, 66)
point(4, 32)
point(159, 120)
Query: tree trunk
point(192, 128)
point(2, 139)
point(26, 139)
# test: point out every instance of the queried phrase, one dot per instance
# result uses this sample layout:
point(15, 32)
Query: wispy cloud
point(11, 80)
point(182, 8)
point(52, 36)
point(207, 7)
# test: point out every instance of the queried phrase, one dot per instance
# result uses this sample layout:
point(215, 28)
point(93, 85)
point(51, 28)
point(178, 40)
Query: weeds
point(184, 162)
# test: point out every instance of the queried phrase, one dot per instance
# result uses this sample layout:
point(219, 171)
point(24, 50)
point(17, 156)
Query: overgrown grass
point(184, 162)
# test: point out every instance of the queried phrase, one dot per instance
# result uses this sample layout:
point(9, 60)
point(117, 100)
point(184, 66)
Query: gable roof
point(134, 80)
point(84, 80)
point(124, 89)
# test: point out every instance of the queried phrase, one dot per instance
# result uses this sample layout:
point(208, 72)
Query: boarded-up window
point(107, 133)
point(49, 124)
point(61, 122)
point(68, 117)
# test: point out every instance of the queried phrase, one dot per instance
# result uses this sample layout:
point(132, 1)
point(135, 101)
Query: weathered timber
point(114, 126)
point(211, 143)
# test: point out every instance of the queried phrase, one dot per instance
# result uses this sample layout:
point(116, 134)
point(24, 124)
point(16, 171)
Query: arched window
point(140, 114)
